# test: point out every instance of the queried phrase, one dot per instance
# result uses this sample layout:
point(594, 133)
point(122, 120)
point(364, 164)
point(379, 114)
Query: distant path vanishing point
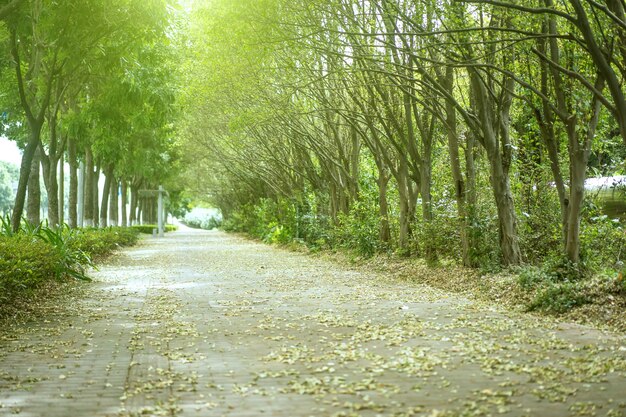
point(206, 324)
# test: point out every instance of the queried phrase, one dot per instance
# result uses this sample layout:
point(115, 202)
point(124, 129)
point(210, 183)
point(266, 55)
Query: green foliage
point(148, 228)
point(603, 239)
point(531, 277)
point(26, 262)
point(72, 259)
point(37, 255)
point(558, 298)
point(101, 242)
point(483, 233)
point(358, 230)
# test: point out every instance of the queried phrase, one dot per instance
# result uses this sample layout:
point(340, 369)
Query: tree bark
point(457, 174)
point(33, 209)
point(72, 206)
point(498, 168)
point(88, 205)
point(106, 192)
point(124, 202)
point(384, 231)
point(113, 202)
point(96, 196)
point(134, 204)
point(61, 198)
point(405, 210)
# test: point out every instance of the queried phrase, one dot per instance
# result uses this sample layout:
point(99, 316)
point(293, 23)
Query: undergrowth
point(38, 256)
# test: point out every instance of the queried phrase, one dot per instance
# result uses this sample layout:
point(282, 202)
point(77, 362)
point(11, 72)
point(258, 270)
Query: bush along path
point(37, 261)
point(206, 324)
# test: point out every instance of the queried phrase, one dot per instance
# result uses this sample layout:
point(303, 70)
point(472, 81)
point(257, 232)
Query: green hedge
point(101, 242)
point(40, 255)
point(25, 263)
point(147, 228)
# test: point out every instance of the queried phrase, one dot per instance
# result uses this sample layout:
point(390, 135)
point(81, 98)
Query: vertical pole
point(160, 212)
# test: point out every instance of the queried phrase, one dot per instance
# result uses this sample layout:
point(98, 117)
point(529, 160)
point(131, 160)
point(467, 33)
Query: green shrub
point(358, 230)
point(148, 228)
point(101, 242)
point(72, 260)
point(25, 263)
point(559, 298)
point(39, 254)
point(531, 277)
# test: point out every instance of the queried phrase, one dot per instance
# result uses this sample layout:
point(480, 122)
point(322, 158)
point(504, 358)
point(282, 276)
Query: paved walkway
point(206, 324)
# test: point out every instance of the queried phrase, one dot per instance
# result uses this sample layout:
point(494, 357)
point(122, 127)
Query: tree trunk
point(49, 164)
point(141, 210)
point(579, 158)
point(25, 168)
point(113, 202)
point(425, 190)
point(384, 232)
point(106, 192)
point(61, 198)
point(88, 205)
point(33, 209)
point(576, 196)
point(134, 205)
point(405, 211)
point(72, 206)
point(124, 203)
point(509, 244)
point(498, 164)
point(457, 174)
point(96, 196)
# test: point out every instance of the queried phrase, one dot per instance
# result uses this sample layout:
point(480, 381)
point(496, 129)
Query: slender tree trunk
point(384, 231)
point(72, 206)
point(470, 173)
point(405, 210)
point(141, 210)
point(49, 164)
point(62, 188)
point(425, 190)
point(88, 205)
point(457, 173)
point(579, 158)
point(576, 196)
point(509, 244)
point(106, 192)
point(25, 169)
point(33, 209)
point(35, 119)
point(124, 203)
point(96, 196)
point(498, 168)
point(113, 202)
point(134, 205)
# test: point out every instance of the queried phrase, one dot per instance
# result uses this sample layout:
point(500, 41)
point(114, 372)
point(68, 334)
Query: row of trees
point(437, 119)
point(91, 83)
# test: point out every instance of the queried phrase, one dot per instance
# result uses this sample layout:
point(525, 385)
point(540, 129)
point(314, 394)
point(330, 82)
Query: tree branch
point(532, 10)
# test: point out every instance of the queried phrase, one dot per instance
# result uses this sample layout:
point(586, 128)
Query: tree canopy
point(417, 126)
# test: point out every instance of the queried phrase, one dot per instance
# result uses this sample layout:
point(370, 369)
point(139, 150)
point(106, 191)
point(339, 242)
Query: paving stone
point(207, 324)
